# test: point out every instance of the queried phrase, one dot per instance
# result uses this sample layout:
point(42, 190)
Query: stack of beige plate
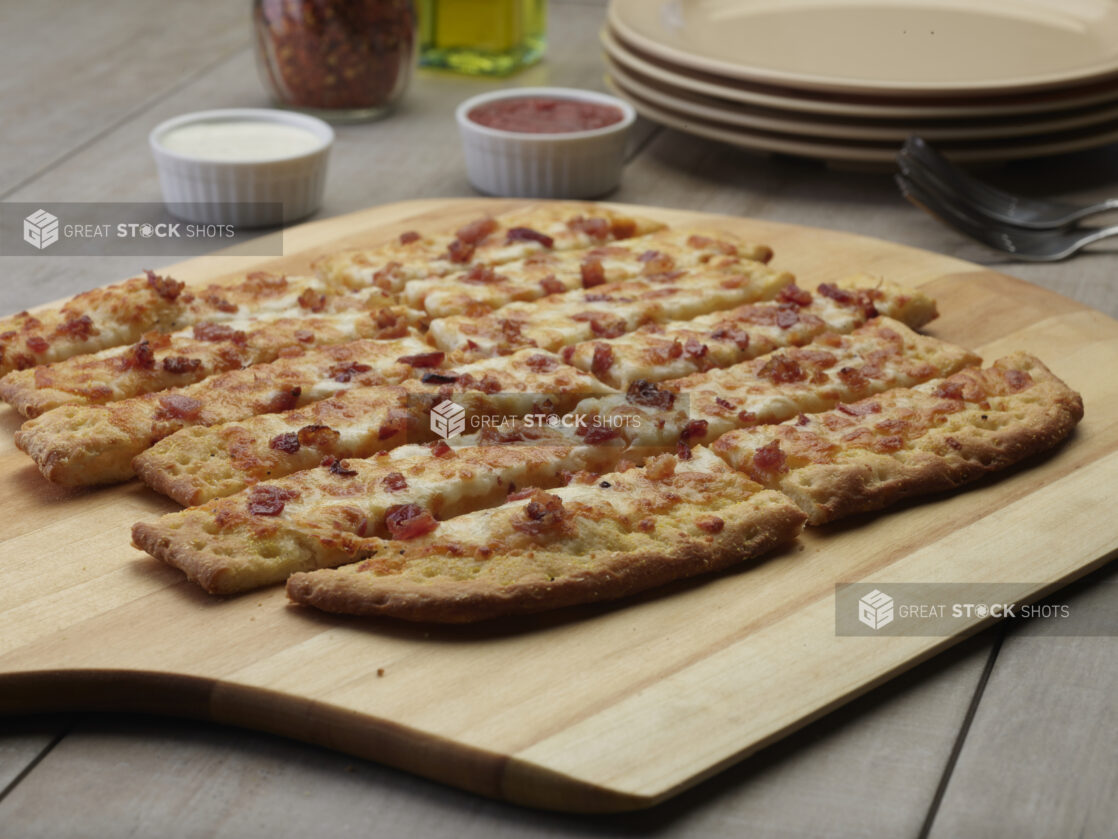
point(848, 80)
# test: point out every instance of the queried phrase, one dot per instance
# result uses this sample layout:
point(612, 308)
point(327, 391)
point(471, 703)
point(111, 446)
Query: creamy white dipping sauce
point(240, 140)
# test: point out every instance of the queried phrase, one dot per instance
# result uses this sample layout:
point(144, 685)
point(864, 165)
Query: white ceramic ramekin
point(575, 164)
point(244, 193)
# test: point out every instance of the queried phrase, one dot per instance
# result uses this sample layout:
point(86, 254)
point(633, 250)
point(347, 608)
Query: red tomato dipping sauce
point(539, 115)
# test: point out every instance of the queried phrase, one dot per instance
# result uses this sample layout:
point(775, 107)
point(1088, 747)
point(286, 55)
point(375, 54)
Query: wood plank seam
point(37, 759)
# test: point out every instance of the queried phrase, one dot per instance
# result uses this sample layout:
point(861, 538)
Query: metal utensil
point(985, 200)
point(1022, 243)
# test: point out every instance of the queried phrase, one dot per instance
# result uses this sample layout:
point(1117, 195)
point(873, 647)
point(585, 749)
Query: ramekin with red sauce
point(544, 142)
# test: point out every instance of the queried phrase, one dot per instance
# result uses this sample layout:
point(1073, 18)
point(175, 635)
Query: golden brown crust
point(79, 445)
point(483, 241)
point(624, 533)
point(161, 361)
point(908, 443)
point(306, 520)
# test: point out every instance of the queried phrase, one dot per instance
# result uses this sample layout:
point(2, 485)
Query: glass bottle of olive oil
point(482, 37)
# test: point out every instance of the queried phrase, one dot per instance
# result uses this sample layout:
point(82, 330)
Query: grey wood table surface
point(1008, 734)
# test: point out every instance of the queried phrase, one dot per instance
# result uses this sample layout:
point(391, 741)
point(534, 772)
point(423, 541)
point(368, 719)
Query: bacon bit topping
point(390, 324)
point(707, 243)
point(37, 344)
point(218, 332)
point(724, 404)
point(312, 300)
point(475, 231)
point(427, 359)
point(460, 252)
point(847, 298)
point(782, 369)
point(285, 400)
point(337, 467)
point(382, 279)
point(852, 378)
point(407, 521)
point(595, 228)
point(441, 449)
point(482, 275)
point(79, 329)
point(346, 370)
point(515, 494)
point(889, 444)
point(166, 287)
point(860, 409)
point(550, 285)
point(394, 482)
point(527, 234)
point(663, 352)
point(623, 228)
point(656, 262)
point(603, 359)
point(644, 392)
point(220, 303)
point(541, 363)
point(601, 324)
point(1017, 380)
point(682, 450)
point(409, 236)
point(140, 357)
point(795, 295)
point(599, 434)
point(23, 361)
point(787, 317)
point(646, 525)
point(710, 524)
point(288, 442)
point(304, 336)
point(269, 500)
point(544, 512)
point(179, 365)
point(769, 458)
point(803, 419)
point(732, 333)
point(567, 353)
point(180, 407)
point(694, 428)
point(593, 274)
point(694, 348)
point(747, 417)
point(953, 443)
point(396, 423)
point(949, 390)
point(439, 378)
point(489, 384)
point(321, 437)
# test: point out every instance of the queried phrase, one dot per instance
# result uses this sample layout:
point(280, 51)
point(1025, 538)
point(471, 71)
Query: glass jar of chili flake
point(342, 60)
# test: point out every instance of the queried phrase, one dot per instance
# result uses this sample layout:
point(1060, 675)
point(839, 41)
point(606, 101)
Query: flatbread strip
point(910, 442)
point(160, 361)
point(199, 463)
point(878, 356)
point(490, 240)
point(301, 522)
point(121, 314)
point(79, 445)
point(556, 321)
point(675, 349)
point(483, 288)
point(617, 535)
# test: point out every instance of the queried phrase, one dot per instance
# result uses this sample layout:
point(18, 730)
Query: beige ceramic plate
point(851, 105)
point(918, 47)
point(856, 151)
point(837, 128)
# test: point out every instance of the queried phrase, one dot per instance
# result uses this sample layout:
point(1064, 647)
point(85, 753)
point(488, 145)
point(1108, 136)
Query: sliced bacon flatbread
point(78, 445)
point(160, 361)
point(554, 272)
point(121, 314)
point(616, 535)
point(909, 442)
point(559, 320)
point(200, 463)
point(671, 350)
point(488, 240)
point(881, 355)
point(302, 522)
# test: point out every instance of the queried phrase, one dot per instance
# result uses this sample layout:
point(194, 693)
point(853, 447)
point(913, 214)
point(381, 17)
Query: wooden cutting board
point(600, 708)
